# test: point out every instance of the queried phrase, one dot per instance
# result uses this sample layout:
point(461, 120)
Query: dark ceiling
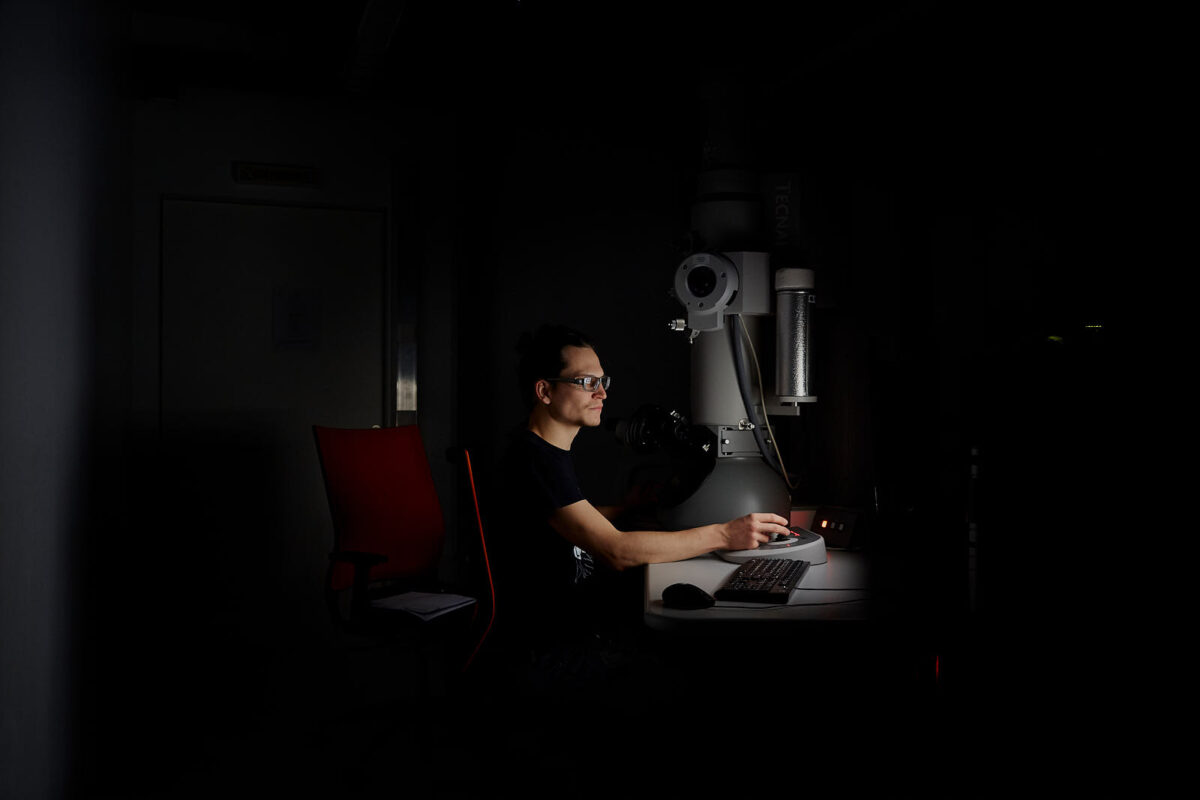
point(433, 50)
point(1002, 94)
point(428, 46)
point(999, 67)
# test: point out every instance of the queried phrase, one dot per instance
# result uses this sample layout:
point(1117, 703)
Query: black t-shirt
point(543, 581)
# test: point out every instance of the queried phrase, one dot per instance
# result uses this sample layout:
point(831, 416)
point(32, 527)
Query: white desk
point(834, 591)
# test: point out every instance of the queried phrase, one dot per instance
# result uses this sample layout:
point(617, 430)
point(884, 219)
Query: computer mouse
point(687, 596)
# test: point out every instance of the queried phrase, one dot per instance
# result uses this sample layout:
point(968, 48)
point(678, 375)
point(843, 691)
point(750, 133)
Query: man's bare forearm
point(654, 547)
point(611, 512)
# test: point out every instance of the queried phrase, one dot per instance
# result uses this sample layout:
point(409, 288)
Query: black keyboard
point(763, 580)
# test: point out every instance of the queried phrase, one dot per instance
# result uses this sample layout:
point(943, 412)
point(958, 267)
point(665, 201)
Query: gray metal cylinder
point(715, 396)
point(735, 487)
point(794, 301)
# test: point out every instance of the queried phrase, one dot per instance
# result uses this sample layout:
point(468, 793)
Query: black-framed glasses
point(589, 383)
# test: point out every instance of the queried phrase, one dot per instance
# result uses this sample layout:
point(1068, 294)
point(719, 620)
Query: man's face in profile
point(570, 403)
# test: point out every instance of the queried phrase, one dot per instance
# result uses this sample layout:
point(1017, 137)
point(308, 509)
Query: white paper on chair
point(426, 605)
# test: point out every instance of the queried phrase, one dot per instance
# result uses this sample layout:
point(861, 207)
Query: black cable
point(743, 381)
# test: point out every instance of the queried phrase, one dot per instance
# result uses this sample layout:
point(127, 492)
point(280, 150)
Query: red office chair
point(388, 530)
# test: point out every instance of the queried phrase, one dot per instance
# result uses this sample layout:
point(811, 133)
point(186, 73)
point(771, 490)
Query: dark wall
point(581, 230)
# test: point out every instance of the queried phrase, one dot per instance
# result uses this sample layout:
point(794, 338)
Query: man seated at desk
point(560, 556)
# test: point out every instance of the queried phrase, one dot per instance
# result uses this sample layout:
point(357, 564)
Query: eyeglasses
point(589, 383)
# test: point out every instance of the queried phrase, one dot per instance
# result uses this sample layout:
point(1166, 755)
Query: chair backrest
point(382, 500)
